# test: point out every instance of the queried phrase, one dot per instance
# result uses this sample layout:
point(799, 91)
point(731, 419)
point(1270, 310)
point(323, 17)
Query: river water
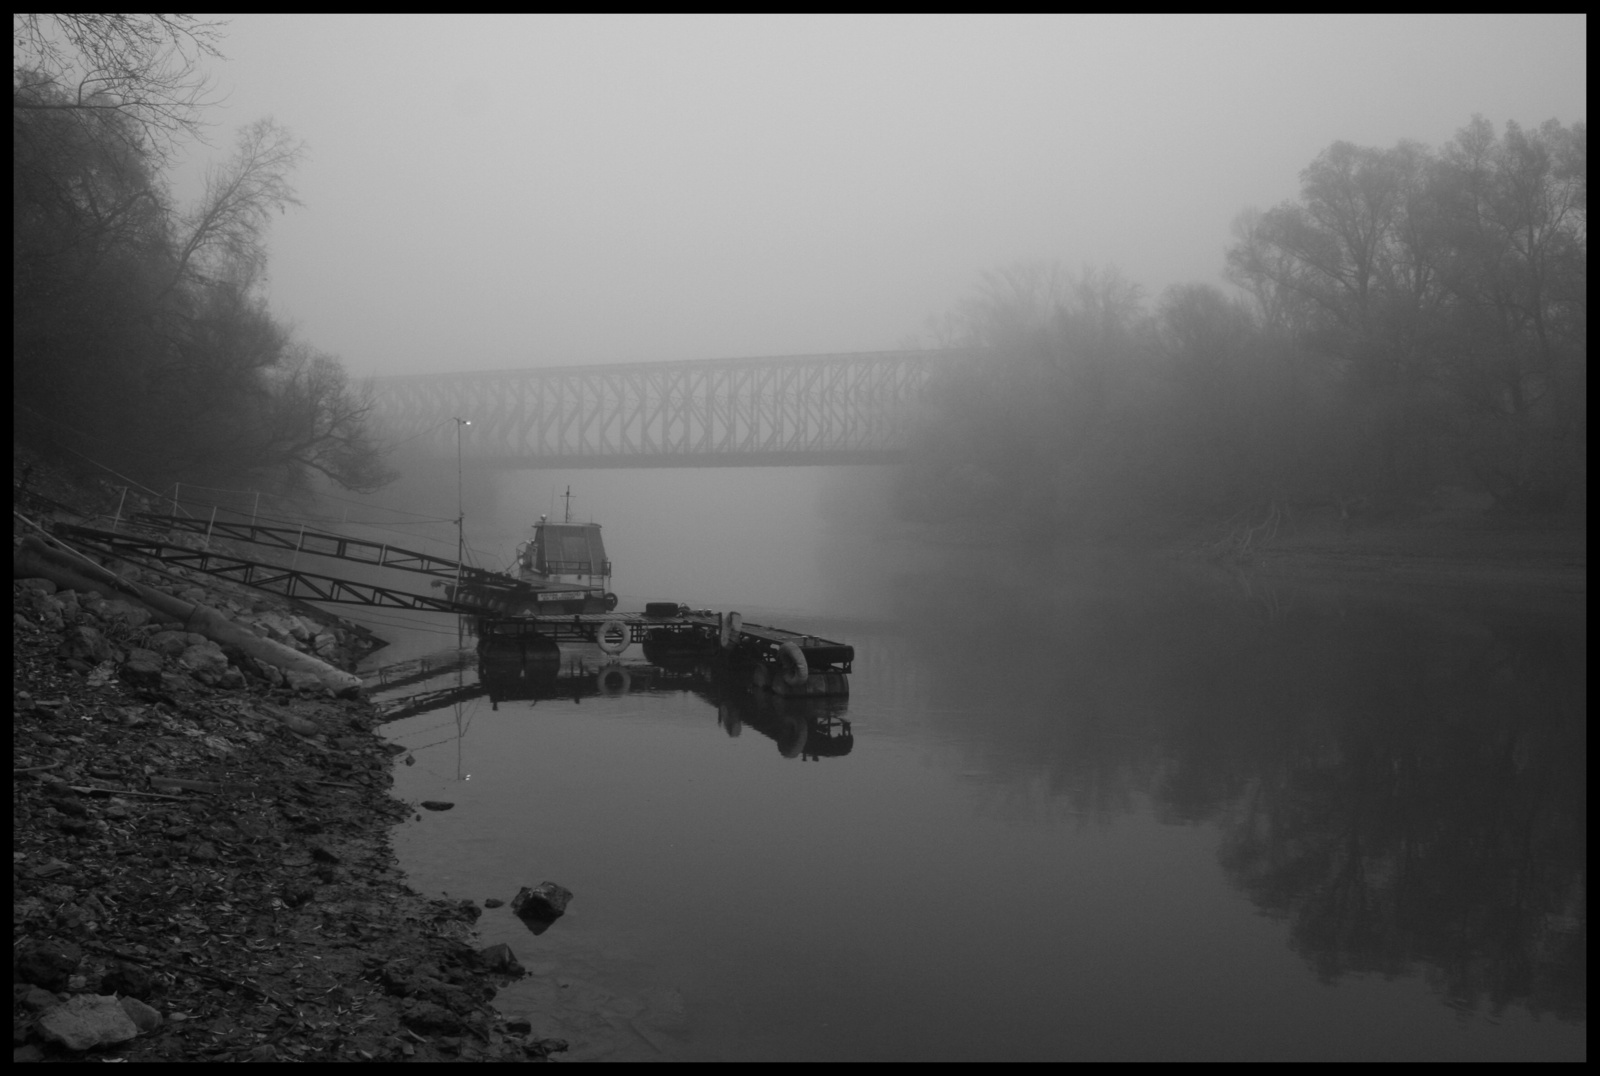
point(1080, 809)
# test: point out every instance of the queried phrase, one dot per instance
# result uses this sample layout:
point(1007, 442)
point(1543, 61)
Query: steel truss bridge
point(783, 411)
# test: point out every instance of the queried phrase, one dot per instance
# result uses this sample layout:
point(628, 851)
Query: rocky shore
point(201, 866)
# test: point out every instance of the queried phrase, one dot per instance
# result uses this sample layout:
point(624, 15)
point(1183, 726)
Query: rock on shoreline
point(201, 866)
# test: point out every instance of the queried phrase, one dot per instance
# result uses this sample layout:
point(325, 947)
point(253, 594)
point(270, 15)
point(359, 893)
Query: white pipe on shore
point(34, 559)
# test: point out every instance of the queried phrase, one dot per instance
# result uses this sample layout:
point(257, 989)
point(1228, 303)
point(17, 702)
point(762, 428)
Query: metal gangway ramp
point(295, 582)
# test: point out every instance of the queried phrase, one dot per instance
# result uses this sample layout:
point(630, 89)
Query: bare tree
point(318, 423)
point(147, 67)
point(226, 232)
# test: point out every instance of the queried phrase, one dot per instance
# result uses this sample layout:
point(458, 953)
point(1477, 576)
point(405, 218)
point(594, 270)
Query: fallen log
point(34, 559)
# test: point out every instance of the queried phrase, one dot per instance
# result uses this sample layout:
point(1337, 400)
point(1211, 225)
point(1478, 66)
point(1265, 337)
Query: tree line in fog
point(141, 332)
point(1414, 320)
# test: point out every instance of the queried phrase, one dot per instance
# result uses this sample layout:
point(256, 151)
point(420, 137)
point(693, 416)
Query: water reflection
point(808, 729)
point(528, 670)
point(1402, 778)
point(1180, 793)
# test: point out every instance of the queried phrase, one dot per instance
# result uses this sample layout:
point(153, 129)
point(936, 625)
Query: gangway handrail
point(344, 547)
point(273, 578)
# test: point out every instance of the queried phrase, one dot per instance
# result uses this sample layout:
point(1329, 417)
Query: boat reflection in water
point(530, 669)
point(808, 729)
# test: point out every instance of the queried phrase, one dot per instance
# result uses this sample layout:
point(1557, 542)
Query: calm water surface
point(1100, 812)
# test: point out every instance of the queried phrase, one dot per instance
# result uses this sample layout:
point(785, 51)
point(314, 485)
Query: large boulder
point(544, 901)
point(48, 964)
point(143, 668)
point(135, 616)
point(500, 958)
point(68, 602)
point(206, 661)
point(87, 1021)
point(169, 643)
point(47, 609)
point(144, 1017)
point(85, 644)
point(274, 625)
point(132, 980)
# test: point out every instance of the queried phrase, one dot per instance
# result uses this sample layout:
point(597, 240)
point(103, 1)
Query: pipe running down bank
point(35, 559)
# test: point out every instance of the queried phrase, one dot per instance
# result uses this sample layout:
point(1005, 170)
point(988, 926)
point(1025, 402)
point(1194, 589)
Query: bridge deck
point(794, 410)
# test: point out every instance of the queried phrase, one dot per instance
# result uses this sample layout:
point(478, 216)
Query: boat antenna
point(568, 498)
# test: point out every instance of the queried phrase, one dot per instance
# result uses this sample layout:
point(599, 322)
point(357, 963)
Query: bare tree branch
point(147, 67)
point(229, 226)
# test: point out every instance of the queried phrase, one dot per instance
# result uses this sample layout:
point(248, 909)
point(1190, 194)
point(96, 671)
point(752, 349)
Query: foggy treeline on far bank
point(1417, 319)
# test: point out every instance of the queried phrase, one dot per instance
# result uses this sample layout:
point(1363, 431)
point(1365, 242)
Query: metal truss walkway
point(326, 544)
point(786, 411)
point(294, 582)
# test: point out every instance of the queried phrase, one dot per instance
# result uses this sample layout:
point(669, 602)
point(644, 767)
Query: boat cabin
point(565, 553)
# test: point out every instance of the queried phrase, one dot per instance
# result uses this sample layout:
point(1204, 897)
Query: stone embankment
point(200, 865)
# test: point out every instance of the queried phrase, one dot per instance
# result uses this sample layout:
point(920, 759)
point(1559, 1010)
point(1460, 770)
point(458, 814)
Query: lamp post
point(461, 515)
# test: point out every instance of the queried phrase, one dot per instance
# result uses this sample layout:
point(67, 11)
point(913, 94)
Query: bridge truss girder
point(793, 410)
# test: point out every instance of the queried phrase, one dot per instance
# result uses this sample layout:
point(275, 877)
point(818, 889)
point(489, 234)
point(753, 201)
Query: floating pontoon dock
point(787, 662)
point(795, 663)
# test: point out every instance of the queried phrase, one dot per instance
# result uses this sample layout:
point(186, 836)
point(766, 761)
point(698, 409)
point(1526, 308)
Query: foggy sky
point(492, 192)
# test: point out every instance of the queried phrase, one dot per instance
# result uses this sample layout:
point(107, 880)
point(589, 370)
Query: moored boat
point(561, 569)
point(566, 566)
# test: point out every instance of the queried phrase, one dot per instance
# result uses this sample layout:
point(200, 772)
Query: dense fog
point(484, 193)
point(1223, 264)
point(1148, 452)
point(1219, 268)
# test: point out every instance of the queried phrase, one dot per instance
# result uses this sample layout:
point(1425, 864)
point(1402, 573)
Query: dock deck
point(692, 631)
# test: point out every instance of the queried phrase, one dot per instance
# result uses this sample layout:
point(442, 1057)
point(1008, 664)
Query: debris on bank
point(201, 866)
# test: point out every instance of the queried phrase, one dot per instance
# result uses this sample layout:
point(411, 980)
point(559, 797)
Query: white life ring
point(613, 680)
point(728, 634)
point(792, 664)
point(613, 637)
